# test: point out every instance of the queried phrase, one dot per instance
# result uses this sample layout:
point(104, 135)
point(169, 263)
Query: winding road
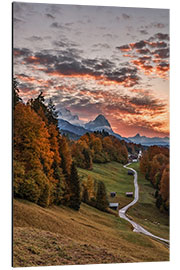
point(122, 211)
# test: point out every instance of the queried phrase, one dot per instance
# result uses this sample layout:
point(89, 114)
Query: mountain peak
point(100, 116)
point(99, 123)
point(101, 120)
point(137, 135)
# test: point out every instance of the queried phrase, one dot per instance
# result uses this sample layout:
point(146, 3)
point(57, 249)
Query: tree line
point(98, 147)
point(154, 164)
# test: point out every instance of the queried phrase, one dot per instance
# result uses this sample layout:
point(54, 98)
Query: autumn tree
point(32, 153)
point(164, 187)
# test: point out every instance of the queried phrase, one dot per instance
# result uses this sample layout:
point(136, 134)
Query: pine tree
point(101, 197)
point(15, 93)
point(52, 113)
point(87, 159)
point(75, 199)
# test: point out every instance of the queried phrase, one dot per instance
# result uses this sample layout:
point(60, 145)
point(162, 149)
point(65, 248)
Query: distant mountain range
point(146, 141)
point(75, 129)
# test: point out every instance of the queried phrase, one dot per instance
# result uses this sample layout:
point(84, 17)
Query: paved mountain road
point(122, 211)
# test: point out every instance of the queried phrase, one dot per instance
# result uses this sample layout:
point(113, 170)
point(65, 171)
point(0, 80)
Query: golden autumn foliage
point(40, 156)
point(31, 139)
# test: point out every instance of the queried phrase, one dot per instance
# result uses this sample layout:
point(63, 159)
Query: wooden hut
point(114, 206)
point(129, 194)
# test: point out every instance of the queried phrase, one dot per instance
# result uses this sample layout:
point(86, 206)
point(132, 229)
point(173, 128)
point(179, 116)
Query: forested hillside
point(45, 162)
point(155, 166)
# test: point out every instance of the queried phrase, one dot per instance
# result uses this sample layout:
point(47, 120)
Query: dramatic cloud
point(68, 63)
point(92, 60)
point(146, 53)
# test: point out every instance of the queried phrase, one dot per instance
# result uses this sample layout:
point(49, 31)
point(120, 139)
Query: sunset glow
point(91, 63)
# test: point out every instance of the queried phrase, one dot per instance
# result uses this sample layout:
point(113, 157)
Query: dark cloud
point(69, 24)
point(124, 48)
point(146, 101)
point(143, 51)
point(143, 32)
point(73, 68)
point(68, 62)
point(57, 25)
point(50, 16)
point(125, 16)
point(121, 107)
point(159, 25)
point(158, 44)
point(101, 45)
point(16, 20)
point(145, 58)
point(35, 38)
point(21, 52)
point(124, 75)
point(139, 45)
point(41, 59)
point(61, 44)
point(161, 53)
point(147, 55)
point(162, 36)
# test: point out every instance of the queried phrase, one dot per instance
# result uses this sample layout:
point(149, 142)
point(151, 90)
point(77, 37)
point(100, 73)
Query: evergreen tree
point(101, 197)
point(87, 159)
point(15, 93)
point(75, 199)
point(52, 115)
point(85, 195)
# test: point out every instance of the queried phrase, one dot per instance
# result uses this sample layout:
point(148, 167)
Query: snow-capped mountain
point(98, 124)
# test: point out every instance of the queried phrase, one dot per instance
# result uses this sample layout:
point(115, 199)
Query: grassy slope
point(145, 212)
point(59, 235)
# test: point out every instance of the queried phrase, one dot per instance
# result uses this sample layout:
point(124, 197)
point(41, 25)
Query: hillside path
point(122, 211)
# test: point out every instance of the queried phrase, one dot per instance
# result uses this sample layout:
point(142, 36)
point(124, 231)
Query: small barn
point(113, 194)
point(114, 206)
point(130, 172)
point(129, 194)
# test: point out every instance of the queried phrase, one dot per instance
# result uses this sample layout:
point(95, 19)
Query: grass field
point(115, 178)
point(60, 236)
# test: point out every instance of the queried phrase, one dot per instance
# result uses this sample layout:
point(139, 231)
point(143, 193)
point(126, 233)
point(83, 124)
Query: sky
point(96, 60)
